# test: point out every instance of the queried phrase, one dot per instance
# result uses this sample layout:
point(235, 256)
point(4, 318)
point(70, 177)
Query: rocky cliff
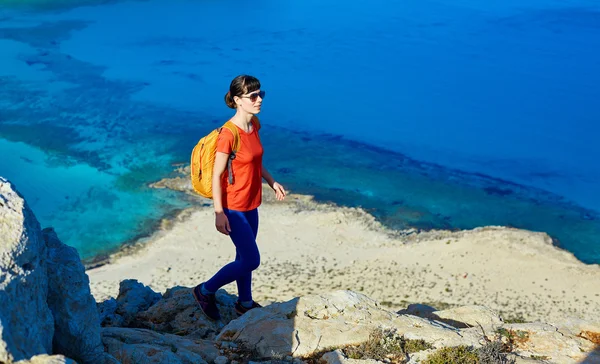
point(49, 316)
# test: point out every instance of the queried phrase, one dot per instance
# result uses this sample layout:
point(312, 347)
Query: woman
point(236, 205)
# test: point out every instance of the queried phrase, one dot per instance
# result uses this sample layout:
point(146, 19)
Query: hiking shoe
point(240, 309)
point(207, 302)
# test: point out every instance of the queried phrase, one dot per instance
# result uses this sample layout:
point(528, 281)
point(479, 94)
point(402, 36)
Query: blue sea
point(433, 114)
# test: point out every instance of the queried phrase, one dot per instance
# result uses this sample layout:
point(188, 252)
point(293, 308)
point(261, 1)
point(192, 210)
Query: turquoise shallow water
point(428, 114)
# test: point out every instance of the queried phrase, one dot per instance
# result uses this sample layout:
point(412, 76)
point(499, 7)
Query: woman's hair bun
point(229, 100)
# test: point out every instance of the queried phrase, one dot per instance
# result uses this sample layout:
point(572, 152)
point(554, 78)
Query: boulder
point(26, 324)
point(76, 323)
point(178, 313)
point(302, 326)
point(438, 334)
point(133, 298)
point(146, 346)
point(47, 359)
point(469, 316)
point(338, 357)
point(541, 340)
point(107, 313)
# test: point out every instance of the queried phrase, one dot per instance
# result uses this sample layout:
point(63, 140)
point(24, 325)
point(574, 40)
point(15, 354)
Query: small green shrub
point(454, 355)
point(413, 346)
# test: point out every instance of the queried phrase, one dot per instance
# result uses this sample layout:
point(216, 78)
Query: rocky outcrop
point(303, 328)
point(107, 313)
point(26, 324)
point(76, 323)
point(546, 341)
point(45, 296)
point(471, 316)
point(146, 346)
point(178, 313)
point(133, 298)
point(306, 325)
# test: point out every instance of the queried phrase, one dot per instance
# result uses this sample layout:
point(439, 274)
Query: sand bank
point(307, 247)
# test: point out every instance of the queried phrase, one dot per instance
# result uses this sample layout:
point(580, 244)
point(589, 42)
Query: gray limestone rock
point(107, 313)
point(545, 340)
point(76, 323)
point(26, 324)
point(178, 313)
point(47, 359)
point(338, 357)
point(134, 297)
point(146, 346)
point(469, 316)
point(305, 325)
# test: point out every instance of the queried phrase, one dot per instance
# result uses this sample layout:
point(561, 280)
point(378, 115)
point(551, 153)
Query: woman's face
point(251, 102)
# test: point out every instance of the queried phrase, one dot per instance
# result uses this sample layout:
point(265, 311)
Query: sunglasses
point(254, 96)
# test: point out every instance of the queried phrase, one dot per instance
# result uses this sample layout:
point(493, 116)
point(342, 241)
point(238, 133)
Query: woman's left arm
point(279, 190)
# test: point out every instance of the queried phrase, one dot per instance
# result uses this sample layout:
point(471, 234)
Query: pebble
point(221, 360)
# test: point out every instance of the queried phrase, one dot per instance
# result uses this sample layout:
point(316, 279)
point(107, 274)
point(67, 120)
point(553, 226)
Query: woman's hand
point(222, 223)
point(279, 191)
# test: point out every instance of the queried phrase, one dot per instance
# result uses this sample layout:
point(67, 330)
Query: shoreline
point(133, 245)
point(310, 247)
point(179, 181)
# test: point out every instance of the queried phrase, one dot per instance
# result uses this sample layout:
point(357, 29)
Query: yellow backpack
point(203, 158)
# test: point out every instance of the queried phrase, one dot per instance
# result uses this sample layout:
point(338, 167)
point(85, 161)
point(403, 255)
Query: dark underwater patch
point(498, 191)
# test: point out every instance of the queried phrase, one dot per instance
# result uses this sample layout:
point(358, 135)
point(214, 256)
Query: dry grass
point(513, 338)
point(454, 355)
point(385, 345)
point(491, 353)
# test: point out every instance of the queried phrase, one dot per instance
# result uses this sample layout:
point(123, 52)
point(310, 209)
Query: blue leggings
point(244, 228)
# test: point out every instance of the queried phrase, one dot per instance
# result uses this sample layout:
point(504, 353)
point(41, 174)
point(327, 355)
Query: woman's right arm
point(221, 221)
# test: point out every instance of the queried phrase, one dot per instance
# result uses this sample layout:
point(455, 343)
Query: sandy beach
point(308, 247)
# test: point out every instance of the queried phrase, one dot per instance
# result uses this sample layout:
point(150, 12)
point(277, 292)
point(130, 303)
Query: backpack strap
point(236, 143)
point(234, 148)
point(236, 135)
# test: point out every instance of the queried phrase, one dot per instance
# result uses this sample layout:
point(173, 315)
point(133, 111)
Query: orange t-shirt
point(245, 193)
